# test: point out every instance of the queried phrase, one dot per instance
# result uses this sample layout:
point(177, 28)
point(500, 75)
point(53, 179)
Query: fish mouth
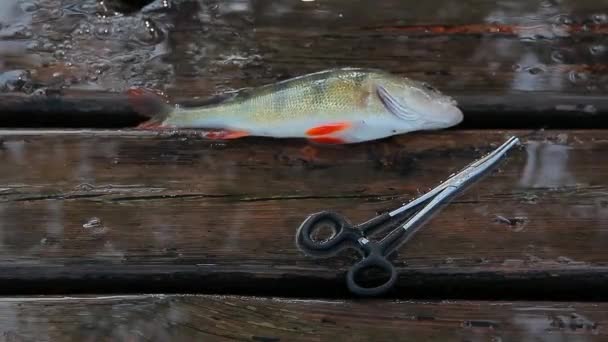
point(448, 116)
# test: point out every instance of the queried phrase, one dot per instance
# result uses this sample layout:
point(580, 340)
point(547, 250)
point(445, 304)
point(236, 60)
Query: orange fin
point(150, 124)
point(150, 103)
point(327, 140)
point(328, 128)
point(225, 134)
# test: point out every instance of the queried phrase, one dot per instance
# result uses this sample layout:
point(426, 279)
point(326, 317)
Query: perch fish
point(338, 106)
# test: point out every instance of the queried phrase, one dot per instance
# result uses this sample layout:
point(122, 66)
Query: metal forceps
point(375, 253)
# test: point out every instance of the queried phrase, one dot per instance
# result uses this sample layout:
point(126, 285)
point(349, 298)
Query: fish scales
point(318, 96)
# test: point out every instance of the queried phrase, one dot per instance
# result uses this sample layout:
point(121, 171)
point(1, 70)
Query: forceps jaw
point(482, 165)
point(442, 194)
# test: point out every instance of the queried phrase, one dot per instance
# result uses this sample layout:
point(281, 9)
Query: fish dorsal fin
point(319, 75)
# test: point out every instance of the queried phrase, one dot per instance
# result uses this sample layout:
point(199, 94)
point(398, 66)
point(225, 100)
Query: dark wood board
point(98, 109)
point(223, 318)
point(545, 59)
point(128, 211)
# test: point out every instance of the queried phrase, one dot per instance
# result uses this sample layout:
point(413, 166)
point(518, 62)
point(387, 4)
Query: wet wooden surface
point(100, 109)
point(134, 211)
point(220, 318)
point(531, 58)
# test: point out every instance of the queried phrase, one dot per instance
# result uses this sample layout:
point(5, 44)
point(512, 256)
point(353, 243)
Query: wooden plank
point(129, 211)
point(68, 109)
point(218, 318)
point(99, 109)
point(489, 55)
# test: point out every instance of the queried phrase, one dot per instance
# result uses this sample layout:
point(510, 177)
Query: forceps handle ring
point(343, 233)
point(374, 259)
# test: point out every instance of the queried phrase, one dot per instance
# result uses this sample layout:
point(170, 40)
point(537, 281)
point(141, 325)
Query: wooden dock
point(109, 233)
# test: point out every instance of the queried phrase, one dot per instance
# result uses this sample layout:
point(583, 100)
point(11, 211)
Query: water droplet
point(563, 20)
point(48, 46)
point(600, 18)
point(591, 87)
point(516, 67)
point(557, 57)
point(591, 109)
point(59, 54)
point(14, 80)
point(103, 31)
point(597, 49)
point(547, 3)
point(577, 76)
point(95, 226)
point(39, 92)
point(151, 33)
point(84, 187)
point(535, 70)
point(28, 6)
point(92, 223)
point(155, 6)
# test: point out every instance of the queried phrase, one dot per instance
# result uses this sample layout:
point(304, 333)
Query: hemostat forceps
point(375, 253)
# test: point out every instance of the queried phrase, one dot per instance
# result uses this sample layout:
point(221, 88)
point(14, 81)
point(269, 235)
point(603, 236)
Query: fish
point(335, 106)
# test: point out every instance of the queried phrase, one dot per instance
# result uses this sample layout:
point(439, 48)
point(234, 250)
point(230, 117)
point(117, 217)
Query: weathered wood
point(517, 56)
point(218, 318)
point(142, 211)
point(98, 109)
point(67, 109)
point(475, 46)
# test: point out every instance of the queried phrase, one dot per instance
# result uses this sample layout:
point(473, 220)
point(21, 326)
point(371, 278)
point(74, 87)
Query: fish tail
point(152, 104)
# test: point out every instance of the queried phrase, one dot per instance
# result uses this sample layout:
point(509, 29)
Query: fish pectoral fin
point(151, 124)
point(328, 140)
point(224, 134)
point(328, 128)
point(394, 106)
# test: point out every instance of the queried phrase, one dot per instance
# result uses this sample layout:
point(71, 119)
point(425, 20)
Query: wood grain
point(222, 318)
point(130, 211)
point(101, 109)
point(530, 58)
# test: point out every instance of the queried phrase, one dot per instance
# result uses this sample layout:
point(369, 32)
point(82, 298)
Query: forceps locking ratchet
point(375, 253)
